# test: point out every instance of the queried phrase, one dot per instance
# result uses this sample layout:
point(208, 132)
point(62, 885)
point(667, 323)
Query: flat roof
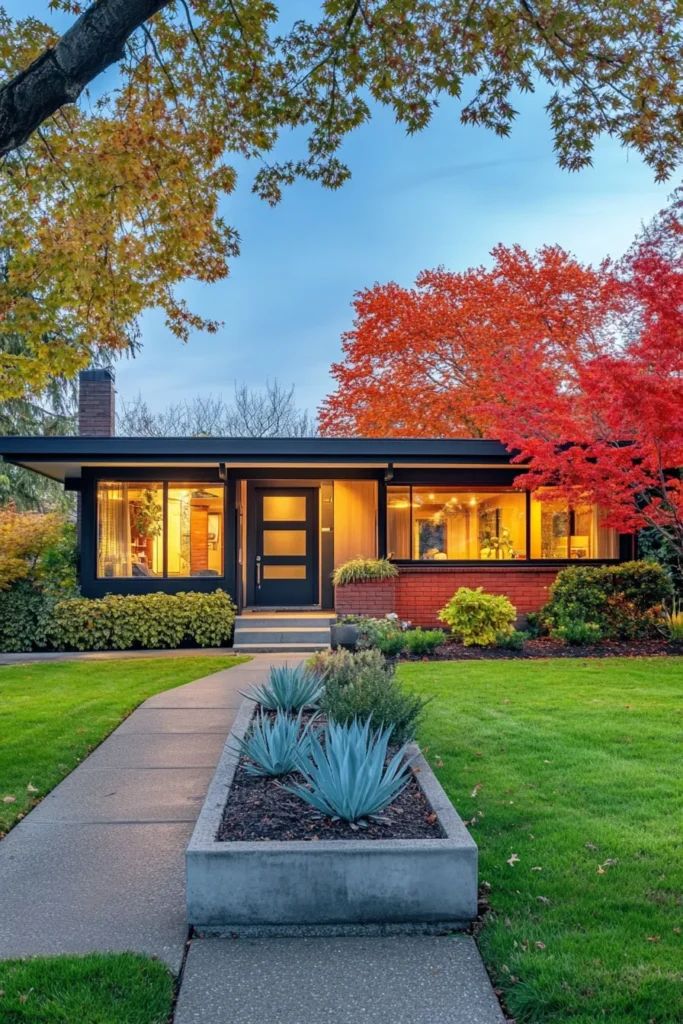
point(61, 457)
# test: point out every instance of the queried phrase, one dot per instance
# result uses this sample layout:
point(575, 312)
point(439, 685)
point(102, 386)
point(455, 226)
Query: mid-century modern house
point(268, 520)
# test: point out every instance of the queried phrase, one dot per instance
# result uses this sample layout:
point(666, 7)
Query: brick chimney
point(96, 411)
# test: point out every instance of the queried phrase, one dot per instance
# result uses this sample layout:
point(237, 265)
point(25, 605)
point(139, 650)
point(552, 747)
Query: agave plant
point(346, 776)
point(288, 689)
point(275, 746)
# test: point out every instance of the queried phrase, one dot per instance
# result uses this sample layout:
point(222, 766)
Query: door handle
point(258, 570)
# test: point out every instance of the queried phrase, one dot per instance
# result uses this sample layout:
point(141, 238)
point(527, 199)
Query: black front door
point(284, 555)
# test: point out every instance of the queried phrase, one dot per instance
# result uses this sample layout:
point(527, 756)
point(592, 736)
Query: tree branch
point(61, 73)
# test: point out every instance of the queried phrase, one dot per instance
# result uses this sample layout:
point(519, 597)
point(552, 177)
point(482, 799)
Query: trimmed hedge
point(124, 622)
point(25, 613)
point(614, 602)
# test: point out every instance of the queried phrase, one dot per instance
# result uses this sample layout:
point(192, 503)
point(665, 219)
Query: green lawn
point(52, 714)
point(113, 988)
point(569, 773)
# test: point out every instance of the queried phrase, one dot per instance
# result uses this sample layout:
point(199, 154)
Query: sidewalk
point(99, 864)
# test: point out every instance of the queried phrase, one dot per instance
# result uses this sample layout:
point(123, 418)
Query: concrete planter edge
point(330, 887)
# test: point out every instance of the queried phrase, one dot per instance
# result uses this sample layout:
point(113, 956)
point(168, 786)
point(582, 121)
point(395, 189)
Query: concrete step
point(272, 632)
point(259, 648)
point(283, 635)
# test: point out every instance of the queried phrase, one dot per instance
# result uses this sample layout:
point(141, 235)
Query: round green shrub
point(360, 570)
point(423, 641)
point(477, 618)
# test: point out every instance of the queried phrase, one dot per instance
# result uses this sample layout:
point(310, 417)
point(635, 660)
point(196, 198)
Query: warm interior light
point(473, 501)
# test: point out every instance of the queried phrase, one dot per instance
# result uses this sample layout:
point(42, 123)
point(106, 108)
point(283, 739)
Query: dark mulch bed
point(544, 647)
point(260, 809)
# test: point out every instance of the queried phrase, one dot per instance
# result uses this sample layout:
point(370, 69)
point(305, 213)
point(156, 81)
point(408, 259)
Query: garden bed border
point(328, 887)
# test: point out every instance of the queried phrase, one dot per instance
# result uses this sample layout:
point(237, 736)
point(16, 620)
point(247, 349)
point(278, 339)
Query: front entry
point(283, 558)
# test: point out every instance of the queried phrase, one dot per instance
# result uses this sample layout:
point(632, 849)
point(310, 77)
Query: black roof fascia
point(241, 450)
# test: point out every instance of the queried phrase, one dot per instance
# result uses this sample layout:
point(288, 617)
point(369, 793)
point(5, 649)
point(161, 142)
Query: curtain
point(113, 530)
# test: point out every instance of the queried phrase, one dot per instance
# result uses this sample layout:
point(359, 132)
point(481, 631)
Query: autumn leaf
point(512, 860)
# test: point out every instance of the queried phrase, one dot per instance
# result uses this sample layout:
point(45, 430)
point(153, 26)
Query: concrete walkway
point(99, 865)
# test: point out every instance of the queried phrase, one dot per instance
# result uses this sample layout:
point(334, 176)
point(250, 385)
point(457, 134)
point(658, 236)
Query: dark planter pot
point(344, 634)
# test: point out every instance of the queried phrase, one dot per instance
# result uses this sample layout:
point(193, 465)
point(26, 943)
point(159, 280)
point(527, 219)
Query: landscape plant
point(620, 602)
point(124, 622)
point(361, 687)
point(288, 688)
point(342, 667)
point(346, 774)
point(423, 641)
point(477, 618)
point(363, 570)
point(274, 745)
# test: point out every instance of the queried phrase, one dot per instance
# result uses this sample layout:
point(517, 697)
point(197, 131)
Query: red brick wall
point(376, 598)
point(420, 591)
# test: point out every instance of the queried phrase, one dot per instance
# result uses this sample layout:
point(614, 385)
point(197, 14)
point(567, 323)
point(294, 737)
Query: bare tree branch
point(61, 73)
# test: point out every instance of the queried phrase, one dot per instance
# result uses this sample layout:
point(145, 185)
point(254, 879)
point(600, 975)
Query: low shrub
point(423, 641)
point(342, 666)
point(622, 602)
point(386, 635)
point(578, 633)
point(124, 622)
point(477, 618)
point(366, 687)
point(672, 626)
point(513, 641)
point(360, 570)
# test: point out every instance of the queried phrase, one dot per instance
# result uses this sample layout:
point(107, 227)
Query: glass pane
point(460, 524)
point(580, 539)
point(398, 522)
point(195, 530)
point(549, 528)
point(130, 529)
point(284, 542)
point(284, 572)
point(283, 507)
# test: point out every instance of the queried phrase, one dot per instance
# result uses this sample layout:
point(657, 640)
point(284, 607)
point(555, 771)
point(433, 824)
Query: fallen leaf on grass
point(544, 900)
point(9, 799)
point(653, 938)
point(31, 788)
point(512, 859)
point(591, 846)
point(609, 863)
point(476, 790)
point(539, 945)
point(537, 868)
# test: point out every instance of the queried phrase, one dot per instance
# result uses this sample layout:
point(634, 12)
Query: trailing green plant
point(346, 775)
point(578, 634)
point(624, 601)
point(289, 688)
point(513, 641)
point(423, 641)
point(148, 621)
point(477, 618)
point(362, 687)
point(275, 746)
point(360, 570)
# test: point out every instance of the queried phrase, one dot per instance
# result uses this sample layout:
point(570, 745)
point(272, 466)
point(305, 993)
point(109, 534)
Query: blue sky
point(445, 196)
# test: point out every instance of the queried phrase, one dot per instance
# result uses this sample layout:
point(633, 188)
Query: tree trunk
point(61, 73)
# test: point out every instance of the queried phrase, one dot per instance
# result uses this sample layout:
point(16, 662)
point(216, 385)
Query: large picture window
point(155, 529)
point(432, 524)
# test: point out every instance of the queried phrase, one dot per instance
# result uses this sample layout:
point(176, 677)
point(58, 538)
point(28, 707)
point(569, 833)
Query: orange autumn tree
point(425, 361)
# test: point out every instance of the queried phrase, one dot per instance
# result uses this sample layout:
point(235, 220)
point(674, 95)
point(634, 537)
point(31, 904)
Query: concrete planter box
point(331, 886)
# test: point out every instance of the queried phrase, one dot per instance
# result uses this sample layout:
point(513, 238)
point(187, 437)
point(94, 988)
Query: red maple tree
point(577, 370)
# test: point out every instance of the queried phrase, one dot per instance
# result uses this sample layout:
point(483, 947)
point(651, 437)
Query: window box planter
point(339, 887)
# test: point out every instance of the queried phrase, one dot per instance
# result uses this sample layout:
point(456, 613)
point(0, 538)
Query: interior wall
point(355, 520)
